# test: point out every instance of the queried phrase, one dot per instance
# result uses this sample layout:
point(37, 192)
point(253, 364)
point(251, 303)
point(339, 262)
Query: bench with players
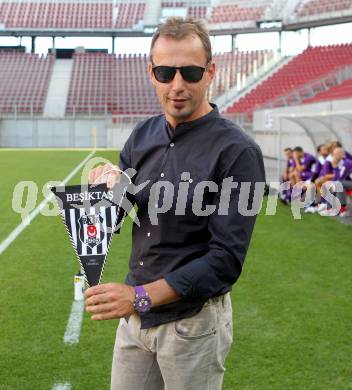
point(331, 165)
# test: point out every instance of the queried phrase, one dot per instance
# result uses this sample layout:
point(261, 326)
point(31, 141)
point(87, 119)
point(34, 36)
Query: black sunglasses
point(191, 74)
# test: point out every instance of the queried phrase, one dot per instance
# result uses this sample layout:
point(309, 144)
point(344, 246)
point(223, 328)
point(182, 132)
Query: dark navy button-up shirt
point(199, 255)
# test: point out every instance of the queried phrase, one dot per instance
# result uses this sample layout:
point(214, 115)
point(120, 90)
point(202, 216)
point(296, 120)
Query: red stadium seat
point(227, 13)
point(313, 64)
point(70, 15)
point(198, 12)
point(104, 82)
point(24, 81)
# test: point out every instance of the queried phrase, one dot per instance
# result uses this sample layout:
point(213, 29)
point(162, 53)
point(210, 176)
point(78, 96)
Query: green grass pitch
point(292, 304)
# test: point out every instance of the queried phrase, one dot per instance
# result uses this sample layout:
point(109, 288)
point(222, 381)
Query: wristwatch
point(142, 301)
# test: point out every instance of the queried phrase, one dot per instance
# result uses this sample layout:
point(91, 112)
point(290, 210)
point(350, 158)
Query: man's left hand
point(109, 301)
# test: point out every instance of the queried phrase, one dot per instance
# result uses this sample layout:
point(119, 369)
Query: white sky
point(292, 42)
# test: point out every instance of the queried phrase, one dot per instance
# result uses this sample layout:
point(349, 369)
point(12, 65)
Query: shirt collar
point(181, 127)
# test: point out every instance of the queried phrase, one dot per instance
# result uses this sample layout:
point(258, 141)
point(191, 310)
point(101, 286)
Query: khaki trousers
point(187, 354)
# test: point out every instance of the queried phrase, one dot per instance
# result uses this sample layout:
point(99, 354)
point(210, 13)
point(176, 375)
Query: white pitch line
point(73, 329)
point(61, 386)
point(19, 229)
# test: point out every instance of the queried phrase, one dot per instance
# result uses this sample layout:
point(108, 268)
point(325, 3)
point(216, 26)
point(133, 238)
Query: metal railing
point(298, 95)
point(31, 111)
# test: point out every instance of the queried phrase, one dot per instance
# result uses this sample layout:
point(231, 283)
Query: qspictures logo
point(249, 197)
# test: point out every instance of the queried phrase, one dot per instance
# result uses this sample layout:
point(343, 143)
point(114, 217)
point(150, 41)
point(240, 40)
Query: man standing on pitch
point(175, 311)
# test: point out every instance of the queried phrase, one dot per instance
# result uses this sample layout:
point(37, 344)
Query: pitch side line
point(19, 229)
point(73, 329)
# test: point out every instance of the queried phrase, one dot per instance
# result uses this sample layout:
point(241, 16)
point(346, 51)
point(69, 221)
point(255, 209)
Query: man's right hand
point(108, 174)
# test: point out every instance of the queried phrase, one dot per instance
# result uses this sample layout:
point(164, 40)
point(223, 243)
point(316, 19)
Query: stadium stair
point(55, 105)
point(152, 13)
point(288, 11)
point(228, 98)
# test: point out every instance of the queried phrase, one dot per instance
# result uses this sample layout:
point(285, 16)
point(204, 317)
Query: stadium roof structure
point(138, 18)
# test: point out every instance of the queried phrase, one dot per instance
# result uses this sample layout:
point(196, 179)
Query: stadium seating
point(129, 14)
point(198, 12)
point(107, 83)
point(106, 14)
point(56, 15)
point(316, 7)
point(103, 82)
point(71, 15)
point(24, 81)
point(312, 64)
point(226, 13)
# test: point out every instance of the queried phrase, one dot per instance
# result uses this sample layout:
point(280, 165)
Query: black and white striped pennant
point(91, 214)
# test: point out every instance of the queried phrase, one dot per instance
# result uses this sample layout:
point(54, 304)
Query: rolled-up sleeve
point(230, 234)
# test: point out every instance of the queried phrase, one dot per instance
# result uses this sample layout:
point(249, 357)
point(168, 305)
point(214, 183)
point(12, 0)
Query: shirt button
point(141, 263)
point(162, 174)
point(148, 234)
point(172, 145)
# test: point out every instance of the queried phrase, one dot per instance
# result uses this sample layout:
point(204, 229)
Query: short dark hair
point(288, 150)
point(319, 147)
point(298, 149)
point(178, 28)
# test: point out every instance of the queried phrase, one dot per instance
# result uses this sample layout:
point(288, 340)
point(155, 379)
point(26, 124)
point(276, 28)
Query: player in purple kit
point(327, 171)
point(290, 163)
point(320, 169)
point(304, 165)
point(330, 155)
point(338, 144)
point(304, 169)
point(323, 152)
point(326, 174)
point(342, 169)
point(285, 195)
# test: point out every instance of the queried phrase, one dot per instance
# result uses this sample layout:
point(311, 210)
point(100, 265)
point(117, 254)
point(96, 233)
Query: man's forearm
point(115, 300)
point(161, 292)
